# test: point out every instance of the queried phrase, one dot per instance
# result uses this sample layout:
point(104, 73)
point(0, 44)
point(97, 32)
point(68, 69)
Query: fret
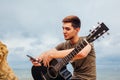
point(69, 57)
point(81, 45)
point(71, 54)
point(77, 49)
point(65, 60)
point(85, 43)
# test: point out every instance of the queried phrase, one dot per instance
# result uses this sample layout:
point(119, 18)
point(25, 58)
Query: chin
point(67, 39)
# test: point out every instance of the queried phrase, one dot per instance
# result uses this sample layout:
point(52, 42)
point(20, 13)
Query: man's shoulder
point(82, 37)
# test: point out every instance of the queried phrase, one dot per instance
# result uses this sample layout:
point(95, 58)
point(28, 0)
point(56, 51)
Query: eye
point(1, 48)
point(68, 29)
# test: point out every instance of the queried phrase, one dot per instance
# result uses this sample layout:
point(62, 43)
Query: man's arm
point(62, 53)
point(47, 56)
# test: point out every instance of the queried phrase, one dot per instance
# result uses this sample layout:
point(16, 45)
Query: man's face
point(68, 31)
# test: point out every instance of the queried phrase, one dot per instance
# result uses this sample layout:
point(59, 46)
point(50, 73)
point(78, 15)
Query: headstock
point(97, 32)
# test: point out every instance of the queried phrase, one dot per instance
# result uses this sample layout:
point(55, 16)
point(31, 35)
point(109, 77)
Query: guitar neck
point(67, 58)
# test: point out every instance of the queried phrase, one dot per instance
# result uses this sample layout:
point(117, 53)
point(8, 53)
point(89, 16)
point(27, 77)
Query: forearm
point(53, 53)
point(61, 54)
point(46, 57)
point(83, 53)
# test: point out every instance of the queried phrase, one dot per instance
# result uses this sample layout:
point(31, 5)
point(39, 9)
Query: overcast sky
point(34, 26)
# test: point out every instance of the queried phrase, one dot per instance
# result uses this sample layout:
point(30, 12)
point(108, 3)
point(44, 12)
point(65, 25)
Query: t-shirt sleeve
point(60, 46)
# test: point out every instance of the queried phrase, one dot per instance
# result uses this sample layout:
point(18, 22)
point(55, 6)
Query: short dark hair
point(76, 23)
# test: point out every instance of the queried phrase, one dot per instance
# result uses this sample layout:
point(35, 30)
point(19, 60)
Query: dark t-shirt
point(84, 69)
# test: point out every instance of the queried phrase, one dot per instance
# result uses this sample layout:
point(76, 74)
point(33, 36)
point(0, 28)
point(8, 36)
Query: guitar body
point(48, 73)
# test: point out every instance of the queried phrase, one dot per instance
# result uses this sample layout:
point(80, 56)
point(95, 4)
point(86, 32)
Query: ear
point(77, 29)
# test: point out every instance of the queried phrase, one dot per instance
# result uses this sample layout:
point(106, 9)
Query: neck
point(74, 40)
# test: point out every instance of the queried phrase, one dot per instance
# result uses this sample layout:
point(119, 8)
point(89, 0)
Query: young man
point(84, 63)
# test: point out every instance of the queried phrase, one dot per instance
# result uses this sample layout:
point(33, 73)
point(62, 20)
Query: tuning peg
point(108, 33)
point(90, 30)
point(98, 22)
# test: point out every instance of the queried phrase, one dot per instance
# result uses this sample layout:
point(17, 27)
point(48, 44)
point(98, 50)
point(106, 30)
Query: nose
point(64, 31)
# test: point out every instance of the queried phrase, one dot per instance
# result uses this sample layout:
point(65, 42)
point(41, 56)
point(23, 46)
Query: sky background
point(34, 26)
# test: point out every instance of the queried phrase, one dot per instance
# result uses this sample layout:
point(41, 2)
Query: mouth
point(65, 36)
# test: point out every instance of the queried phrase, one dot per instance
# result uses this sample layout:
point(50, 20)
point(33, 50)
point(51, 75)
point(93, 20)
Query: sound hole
point(52, 72)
